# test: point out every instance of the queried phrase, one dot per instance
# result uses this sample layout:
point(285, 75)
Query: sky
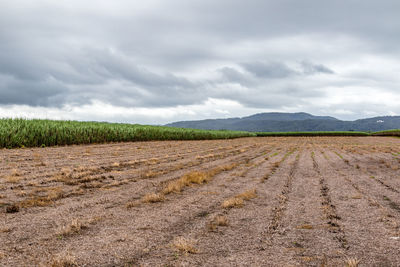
point(157, 61)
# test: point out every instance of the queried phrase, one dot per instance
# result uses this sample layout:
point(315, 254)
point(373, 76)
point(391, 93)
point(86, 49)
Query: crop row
point(35, 133)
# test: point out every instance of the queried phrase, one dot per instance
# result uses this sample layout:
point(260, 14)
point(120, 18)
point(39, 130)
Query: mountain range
point(289, 122)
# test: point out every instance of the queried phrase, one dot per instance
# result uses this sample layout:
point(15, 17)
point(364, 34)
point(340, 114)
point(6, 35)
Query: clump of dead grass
point(238, 200)
point(247, 195)
point(75, 227)
point(132, 204)
point(184, 245)
point(53, 194)
point(150, 174)
point(195, 177)
point(5, 230)
point(305, 226)
point(153, 198)
point(14, 177)
point(352, 262)
point(219, 220)
point(65, 260)
point(232, 202)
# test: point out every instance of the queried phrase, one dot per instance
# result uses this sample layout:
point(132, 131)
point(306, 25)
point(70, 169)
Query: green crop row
point(35, 133)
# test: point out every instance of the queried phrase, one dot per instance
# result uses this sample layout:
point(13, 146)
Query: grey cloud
point(42, 93)
point(310, 68)
point(233, 75)
point(269, 69)
point(277, 53)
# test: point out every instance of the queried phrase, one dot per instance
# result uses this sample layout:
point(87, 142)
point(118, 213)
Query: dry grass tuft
point(237, 201)
point(115, 164)
point(5, 230)
point(173, 186)
point(153, 198)
point(305, 226)
point(14, 177)
point(195, 177)
point(247, 195)
point(233, 202)
point(75, 227)
point(132, 204)
point(218, 220)
point(150, 174)
point(66, 260)
point(53, 194)
point(184, 245)
point(352, 262)
point(221, 220)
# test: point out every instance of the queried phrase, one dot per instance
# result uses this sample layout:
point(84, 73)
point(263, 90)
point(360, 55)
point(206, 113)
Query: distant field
point(35, 133)
point(15, 133)
point(388, 133)
point(332, 133)
point(262, 201)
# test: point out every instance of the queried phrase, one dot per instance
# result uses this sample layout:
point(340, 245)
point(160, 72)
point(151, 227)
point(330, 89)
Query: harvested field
point(266, 201)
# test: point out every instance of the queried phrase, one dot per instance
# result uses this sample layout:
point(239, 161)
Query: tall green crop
point(35, 133)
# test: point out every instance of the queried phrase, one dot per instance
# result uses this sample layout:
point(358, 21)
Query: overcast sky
point(158, 61)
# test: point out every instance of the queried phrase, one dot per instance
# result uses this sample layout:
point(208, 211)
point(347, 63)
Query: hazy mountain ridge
point(284, 122)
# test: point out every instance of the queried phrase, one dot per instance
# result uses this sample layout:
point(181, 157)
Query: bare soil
point(289, 201)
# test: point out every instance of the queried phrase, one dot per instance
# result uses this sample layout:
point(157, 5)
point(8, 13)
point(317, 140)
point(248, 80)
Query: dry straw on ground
point(238, 200)
point(184, 245)
point(153, 198)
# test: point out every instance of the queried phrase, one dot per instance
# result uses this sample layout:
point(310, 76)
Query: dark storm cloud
point(262, 54)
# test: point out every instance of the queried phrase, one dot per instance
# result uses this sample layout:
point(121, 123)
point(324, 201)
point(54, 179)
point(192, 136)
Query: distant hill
point(285, 122)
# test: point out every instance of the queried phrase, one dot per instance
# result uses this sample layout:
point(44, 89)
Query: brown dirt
point(293, 201)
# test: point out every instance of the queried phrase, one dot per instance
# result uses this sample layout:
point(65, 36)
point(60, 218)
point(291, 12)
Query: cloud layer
point(161, 61)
